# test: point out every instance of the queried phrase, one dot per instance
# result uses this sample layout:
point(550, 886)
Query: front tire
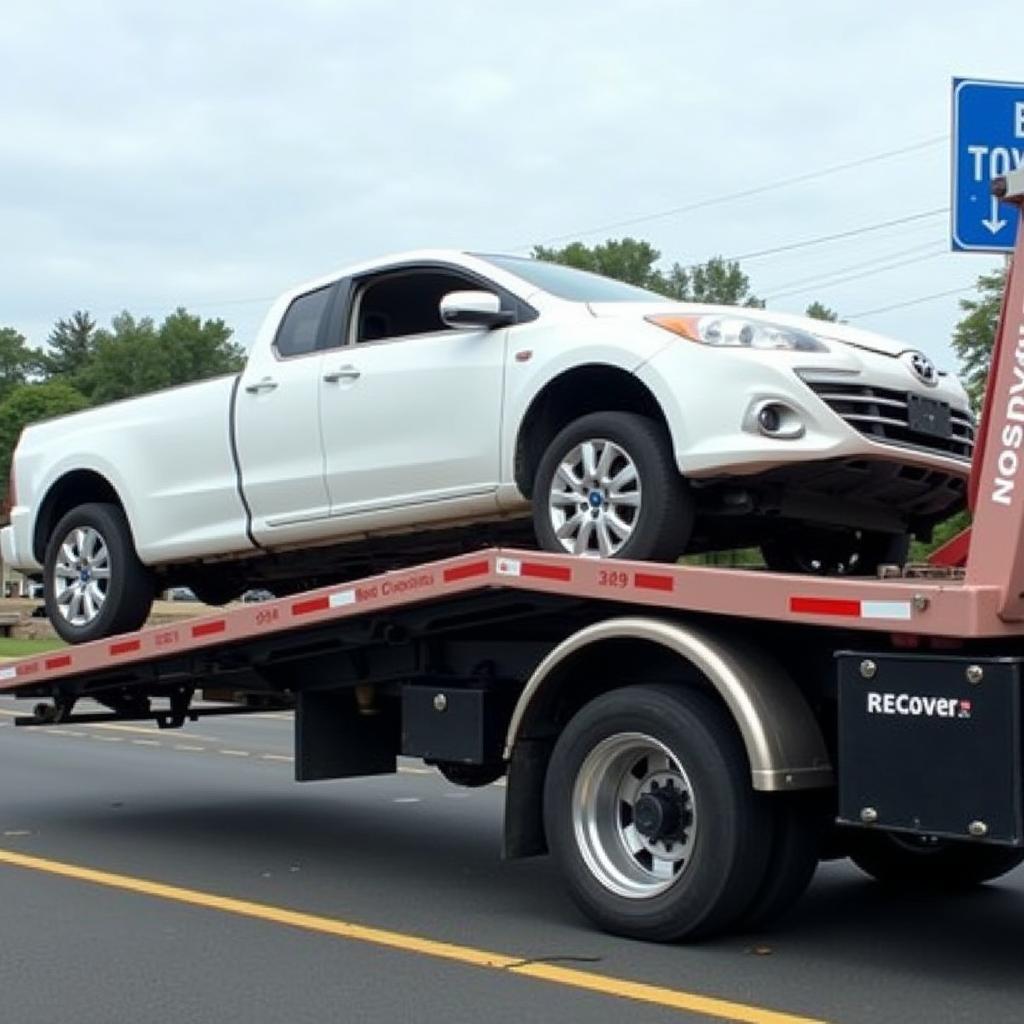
point(607, 486)
point(650, 815)
point(93, 582)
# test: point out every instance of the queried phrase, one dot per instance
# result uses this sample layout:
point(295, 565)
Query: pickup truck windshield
point(569, 283)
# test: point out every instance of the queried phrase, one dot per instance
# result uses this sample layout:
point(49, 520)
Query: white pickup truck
point(402, 407)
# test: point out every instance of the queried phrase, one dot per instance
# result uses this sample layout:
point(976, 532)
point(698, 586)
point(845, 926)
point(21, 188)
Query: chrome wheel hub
point(81, 576)
point(594, 501)
point(633, 815)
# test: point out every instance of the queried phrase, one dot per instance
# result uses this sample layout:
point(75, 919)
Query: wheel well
point(783, 741)
point(572, 394)
point(600, 668)
point(68, 492)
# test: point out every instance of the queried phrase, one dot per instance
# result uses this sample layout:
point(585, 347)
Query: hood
point(823, 329)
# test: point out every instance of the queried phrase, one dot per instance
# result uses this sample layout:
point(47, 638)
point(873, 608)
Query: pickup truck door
point(411, 421)
point(277, 426)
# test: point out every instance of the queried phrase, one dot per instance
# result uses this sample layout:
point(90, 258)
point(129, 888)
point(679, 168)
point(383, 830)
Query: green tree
point(28, 403)
point(975, 334)
point(70, 347)
point(819, 311)
point(634, 261)
point(17, 360)
point(718, 281)
point(626, 259)
point(135, 357)
point(199, 349)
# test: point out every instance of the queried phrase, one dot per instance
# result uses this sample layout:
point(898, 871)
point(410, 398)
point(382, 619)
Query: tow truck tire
point(800, 822)
point(650, 814)
point(927, 862)
point(636, 505)
point(114, 592)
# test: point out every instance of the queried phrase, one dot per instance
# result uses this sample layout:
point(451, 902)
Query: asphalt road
point(378, 868)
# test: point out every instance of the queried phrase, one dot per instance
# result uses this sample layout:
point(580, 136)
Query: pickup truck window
point(300, 327)
point(398, 305)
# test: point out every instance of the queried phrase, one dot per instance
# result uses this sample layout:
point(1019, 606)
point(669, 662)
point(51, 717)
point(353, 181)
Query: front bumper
point(708, 396)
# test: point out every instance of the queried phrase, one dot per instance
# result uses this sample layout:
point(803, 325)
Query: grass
point(14, 648)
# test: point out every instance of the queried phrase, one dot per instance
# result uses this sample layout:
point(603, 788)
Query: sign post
point(988, 142)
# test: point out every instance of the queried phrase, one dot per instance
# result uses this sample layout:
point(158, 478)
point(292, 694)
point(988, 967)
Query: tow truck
point(687, 742)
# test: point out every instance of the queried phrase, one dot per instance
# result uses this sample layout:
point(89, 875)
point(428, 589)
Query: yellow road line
point(622, 988)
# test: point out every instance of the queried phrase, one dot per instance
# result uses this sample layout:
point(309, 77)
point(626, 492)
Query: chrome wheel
point(81, 576)
point(594, 501)
point(633, 815)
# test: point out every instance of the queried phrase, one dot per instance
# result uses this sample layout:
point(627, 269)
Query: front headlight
point(737, 332)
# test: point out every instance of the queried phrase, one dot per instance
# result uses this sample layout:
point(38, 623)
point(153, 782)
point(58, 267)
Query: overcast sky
point(211, 155)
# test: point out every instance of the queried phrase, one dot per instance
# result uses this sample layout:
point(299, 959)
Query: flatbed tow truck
point(687, 742)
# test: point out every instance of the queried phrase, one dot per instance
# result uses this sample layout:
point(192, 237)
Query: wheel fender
point(784, 744)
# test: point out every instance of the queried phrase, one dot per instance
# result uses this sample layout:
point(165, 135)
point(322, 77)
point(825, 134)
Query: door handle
point(346, 372)
point(267, 384)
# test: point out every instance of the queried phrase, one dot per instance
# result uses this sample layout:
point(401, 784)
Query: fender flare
point(784, 743)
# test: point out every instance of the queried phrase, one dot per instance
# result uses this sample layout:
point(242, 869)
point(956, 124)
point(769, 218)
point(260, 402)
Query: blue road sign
point(988, 140)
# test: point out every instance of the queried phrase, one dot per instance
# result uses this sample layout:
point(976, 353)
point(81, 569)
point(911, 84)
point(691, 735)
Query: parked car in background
point(410, 406)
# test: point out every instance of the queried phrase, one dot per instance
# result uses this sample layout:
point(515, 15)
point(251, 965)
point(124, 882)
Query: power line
point(744, 193)
point(820, 239)
point(826, 283)
point(910, 302)
point(821, 276)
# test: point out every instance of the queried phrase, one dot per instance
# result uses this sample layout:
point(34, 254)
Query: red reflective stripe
point(61, 662)
point(125, 647)
point(651, 581)
point(465, 572)
point(209, 628)
point(561, 573)
point(313, 604)
point(825, 606)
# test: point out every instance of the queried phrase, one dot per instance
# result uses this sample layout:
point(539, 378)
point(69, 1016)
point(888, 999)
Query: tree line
point(83, 365)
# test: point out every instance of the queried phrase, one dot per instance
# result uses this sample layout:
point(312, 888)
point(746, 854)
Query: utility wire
point(910, 302)
point(744, 193)
point(822, 276)
point(820, 239)
point(882, 268)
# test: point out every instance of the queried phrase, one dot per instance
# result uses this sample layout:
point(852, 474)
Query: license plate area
point(928, 416)
point(924, 749)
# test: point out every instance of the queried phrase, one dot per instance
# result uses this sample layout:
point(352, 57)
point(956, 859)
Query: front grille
point(881, 414)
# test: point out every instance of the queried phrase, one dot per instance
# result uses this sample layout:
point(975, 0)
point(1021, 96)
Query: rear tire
point(821, 552)
point(650, 814)
point(215, 592)
point(800, 824)
point(607, 486)
point(94, 584)
point(927, 862)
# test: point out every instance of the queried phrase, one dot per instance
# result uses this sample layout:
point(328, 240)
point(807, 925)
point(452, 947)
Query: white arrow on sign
point(995, 223)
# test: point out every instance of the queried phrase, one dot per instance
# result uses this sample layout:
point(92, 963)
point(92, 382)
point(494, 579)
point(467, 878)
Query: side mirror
point(474, 309)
